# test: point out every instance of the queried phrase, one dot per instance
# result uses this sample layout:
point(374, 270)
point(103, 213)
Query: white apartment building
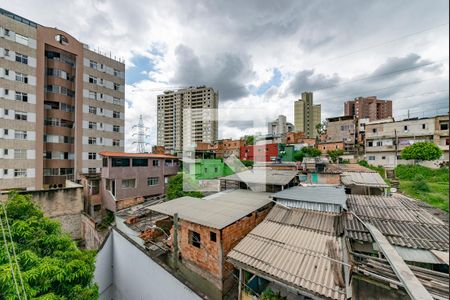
point(385, 139)
point(186, 117)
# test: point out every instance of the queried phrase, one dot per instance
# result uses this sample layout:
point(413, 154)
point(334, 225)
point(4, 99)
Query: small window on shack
point(212, 236)
point(194, 239)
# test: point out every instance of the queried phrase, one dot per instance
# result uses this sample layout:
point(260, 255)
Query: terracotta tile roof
point(138, 155)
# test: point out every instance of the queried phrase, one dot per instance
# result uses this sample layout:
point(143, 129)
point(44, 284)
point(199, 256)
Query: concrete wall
point(124, 271)
point(92, 237)
point(64, 205)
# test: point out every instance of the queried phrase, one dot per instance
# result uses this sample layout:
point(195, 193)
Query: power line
point(386, 88)
point(380, 75)
point(382, 43)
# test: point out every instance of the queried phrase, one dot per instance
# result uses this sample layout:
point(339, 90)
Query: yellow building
point(307, 115)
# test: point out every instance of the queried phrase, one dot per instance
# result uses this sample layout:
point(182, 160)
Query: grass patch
point(410, 177)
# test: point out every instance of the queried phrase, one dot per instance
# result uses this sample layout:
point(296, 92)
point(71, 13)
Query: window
point(116, 128)
point(116, 114)
point(97, 207)
point(20, 154)
point(22, 97)
point(379, 143)
point(20, 115)
point(443, 125)
point(194, 238)
point(5, 151)
point(6, 31)
point(93, 110)
point(216, 169)
point(116, 143)
point(93, 64)
point(22, 58)
point(5, 171)
point(6, 72)
point(6, 52)
point(6, 111)
point(116, 86)
point(92, 141)
point(371, 158)
point(152, 181)
point(405, 128)
point(6, 92)
point(120, 162)
point(5, 131)
point(92, 170)
point(213, 236)
point(93, 95)
point(424, 126)
point(116, 72)
point(92, 125)
point(92, 155)
point(383, 157)
point(20, 172)
point(128, 183)
point(374, 130)
point(20, 135)
point(93, 79)
point(156, 163)
point(140, 162)
point(21, 39)
point(116, 101)
point(104, 162)
point(22, 77)
point(447, 142)
point(369, 144)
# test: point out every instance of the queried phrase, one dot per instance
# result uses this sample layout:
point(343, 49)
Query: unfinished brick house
point(209, 228)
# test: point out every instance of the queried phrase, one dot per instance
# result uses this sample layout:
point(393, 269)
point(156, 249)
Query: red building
point(268, 152)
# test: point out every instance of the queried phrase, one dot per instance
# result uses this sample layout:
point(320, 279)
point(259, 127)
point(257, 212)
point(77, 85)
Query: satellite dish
point(393, 190)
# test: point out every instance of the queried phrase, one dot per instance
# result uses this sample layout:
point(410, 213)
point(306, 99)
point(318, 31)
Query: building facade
point(385, 139)
point(343, 130)
point(187, 116)
point(131, 178)
point(280, 127)
point(307, 115)
point(60, 104)
point(368, 107)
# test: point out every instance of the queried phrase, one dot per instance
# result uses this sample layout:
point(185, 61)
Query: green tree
point(249, 139)
point(335, 154)
point(306, 152)
point(321, 128)
point(422, 151)
point(51, 265)
point(175, 187)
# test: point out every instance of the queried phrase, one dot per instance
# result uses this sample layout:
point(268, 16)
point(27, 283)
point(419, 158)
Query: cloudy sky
point(260, 55)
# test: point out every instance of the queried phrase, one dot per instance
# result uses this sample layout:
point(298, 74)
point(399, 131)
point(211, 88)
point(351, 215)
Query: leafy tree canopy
point(422, 151)
point(306, 152)
point(51, 265)
point(249, 139)
point(335, 154)
point(175, 187)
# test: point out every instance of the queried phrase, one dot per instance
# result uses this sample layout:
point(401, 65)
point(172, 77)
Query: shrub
point(422, 151)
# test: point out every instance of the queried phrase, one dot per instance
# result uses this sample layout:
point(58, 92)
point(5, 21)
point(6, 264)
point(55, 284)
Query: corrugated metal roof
point(216, 211)
point(400, 219)
point(263, 176)
point(363, 179)
point(137, 155)
point(294, 252)
point(321, 198)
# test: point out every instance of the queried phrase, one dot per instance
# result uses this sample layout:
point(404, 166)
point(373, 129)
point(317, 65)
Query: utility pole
point(140, 135)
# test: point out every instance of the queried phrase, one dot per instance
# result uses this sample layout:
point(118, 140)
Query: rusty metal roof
point(363, 179)
point(341, 168)
point(294, 247)
point(400, 219)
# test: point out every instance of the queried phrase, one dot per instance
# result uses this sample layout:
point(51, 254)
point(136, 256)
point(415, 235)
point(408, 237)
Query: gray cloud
point(227, 72)
point(411, 61)
point(307, 80)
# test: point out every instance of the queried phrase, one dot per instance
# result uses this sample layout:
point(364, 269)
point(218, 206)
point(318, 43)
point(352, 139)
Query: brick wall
point(209, 259)
point(124, 203)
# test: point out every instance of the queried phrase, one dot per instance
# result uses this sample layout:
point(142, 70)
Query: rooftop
point(341, 168)
point(296, 248)
point(135, 155)
point(363, 179)
point(333, 195)
point(400, 219)
point(218, 210)
point(263, 176)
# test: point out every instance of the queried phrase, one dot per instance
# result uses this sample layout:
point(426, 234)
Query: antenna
point(141, 135)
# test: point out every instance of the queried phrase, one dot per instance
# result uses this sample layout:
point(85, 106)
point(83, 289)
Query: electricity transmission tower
point(140, 136)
